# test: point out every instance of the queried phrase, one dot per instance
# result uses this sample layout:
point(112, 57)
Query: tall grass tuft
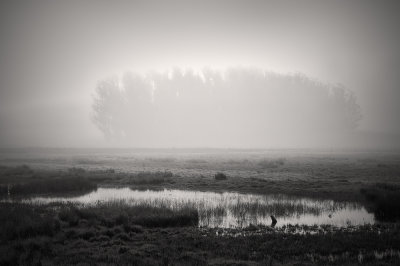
point(220, 176)
point(384, 200)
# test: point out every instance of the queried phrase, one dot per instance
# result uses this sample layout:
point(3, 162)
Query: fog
point(237, 107)
point(230, 74)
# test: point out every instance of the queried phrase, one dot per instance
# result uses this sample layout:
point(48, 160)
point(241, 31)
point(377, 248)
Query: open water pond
point(230, 210)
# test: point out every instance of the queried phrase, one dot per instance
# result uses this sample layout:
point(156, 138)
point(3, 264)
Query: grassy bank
point(49, 186)
point(24, 181)
point(384, 201)
point(119, 213)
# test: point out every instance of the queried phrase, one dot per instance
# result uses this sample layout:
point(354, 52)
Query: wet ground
point(232, 210)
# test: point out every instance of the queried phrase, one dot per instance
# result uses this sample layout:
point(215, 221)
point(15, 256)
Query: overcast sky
point(53, 53)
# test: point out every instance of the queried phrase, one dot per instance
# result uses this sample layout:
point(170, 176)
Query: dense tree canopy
point(237, 107)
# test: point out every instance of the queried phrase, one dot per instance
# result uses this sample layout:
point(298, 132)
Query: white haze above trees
point(239, 107)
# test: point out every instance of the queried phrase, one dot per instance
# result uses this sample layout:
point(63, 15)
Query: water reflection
point(232, 209)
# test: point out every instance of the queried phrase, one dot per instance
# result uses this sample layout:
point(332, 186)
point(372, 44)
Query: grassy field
point(339, 176)
point(118, 234)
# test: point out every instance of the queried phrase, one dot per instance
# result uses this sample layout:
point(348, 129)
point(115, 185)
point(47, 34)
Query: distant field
point(315, 173)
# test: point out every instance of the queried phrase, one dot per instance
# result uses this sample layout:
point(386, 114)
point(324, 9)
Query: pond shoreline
point(53, 235)
point(223, 209)
point(109, 178)
point(105, 238)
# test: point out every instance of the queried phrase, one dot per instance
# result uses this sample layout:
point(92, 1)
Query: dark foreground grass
point(119, 213)
point(20, 221)
point(384, 200)
point(115, 234)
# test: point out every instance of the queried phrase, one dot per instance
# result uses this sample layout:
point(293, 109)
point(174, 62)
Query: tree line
point(221, 108)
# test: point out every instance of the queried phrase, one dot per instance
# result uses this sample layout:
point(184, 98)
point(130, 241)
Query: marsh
point(199, 132)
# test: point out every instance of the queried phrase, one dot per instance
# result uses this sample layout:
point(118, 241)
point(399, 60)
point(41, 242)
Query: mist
point(238, 107)
point(200, 74)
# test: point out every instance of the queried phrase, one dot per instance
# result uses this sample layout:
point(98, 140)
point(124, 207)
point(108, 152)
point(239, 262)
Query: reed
point(49, 185)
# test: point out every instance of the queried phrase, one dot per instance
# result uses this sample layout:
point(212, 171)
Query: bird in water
point(274, 221)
